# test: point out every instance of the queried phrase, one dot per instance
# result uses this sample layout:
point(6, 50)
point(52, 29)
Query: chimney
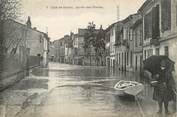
point(28, 23)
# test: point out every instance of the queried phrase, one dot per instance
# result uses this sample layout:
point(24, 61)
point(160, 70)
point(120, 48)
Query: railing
point(154, 42)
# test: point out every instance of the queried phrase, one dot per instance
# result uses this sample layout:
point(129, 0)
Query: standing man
point(164, 89)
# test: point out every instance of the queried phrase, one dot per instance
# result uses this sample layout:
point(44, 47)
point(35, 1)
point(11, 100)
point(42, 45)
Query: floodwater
point(69, 91)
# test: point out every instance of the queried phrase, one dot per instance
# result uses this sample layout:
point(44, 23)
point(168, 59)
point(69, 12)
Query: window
point(144, 54)
point(155, 23)
point(140, 39)
point(136, 62)
point(166, 15)
point(112, 32)
point(166, 51)
point(127, 58)
point(148, 25)
point(119, 58)
point(131, 58)
point(150, 52)
point(157, 51)
point(130, 35)
point(136, 40)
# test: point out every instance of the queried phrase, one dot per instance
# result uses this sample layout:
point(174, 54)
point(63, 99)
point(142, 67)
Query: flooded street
point(68, 91)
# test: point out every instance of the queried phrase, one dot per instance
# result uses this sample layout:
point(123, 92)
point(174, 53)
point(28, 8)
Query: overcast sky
point(50, 14)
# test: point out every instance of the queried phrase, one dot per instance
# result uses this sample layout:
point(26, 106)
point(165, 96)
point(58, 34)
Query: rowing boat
point(128, 88)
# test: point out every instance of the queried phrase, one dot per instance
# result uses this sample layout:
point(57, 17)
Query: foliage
point(10, 9)
point(94, 38)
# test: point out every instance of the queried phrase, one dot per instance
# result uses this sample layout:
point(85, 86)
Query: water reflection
point(77, 91)
point(85, 91)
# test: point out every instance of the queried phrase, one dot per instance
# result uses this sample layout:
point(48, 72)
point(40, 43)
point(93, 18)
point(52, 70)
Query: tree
point(100, 44)
point(94, 38)
point(10, 9)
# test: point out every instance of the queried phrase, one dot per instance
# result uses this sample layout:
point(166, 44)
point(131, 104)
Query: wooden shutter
point(148, 25)
point(155, 23)
point(166, 15)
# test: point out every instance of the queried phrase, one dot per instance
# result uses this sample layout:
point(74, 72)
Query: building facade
point(137, 37)
point(125, 44)
point(110, 44)
point(159, 28)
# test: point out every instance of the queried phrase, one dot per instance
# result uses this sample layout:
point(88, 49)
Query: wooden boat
point(128, 88)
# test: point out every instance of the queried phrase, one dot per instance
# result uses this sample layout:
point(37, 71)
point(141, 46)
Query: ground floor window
point(127, 58)
point(136, 62)
point(119, 58)
point(166, 51)
point(157, 51)
point(131, 58)
point(144, 54)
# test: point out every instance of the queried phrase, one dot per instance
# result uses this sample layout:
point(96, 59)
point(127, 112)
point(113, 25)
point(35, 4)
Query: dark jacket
point(164, 90)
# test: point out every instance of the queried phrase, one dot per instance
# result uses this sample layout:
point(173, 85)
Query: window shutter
point(166, 15)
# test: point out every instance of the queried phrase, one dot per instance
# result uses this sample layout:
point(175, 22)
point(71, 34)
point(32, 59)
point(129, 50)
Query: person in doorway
point(164, 88)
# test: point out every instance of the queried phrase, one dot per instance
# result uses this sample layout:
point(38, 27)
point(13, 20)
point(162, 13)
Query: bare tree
point(10, 9)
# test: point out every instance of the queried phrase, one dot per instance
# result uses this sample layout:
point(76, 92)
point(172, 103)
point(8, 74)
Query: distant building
point(137, 37)
point(125, 47)
point(38, 43)
point(112, 35)
point(51, 51)
point(59, 50)
point(67, 48)
point(75, 49)
point(107, 47)
point(80, 50)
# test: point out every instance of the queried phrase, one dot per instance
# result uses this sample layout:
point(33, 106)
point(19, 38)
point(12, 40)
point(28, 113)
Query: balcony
point(155, 42)
point(117, 43)
point(125, 43)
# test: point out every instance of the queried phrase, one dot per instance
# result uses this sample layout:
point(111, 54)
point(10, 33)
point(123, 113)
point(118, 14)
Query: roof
point(26, 26)
point(81, 32)
point(112, 25)
point(139, 21)
point(144, 5)
point(130, 17)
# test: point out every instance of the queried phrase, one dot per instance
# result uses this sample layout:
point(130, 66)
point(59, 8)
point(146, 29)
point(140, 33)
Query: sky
point(60, 17)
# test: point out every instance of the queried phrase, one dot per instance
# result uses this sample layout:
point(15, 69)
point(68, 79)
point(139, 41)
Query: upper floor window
point(136, 39)
point(148, 25)
point(155, 23)
point(166, 15)
point(112, 32)
point(140, 38)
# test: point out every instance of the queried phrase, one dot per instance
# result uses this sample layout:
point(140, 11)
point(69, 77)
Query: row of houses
point(23, 47)
point(150, 31)
point(72, 49)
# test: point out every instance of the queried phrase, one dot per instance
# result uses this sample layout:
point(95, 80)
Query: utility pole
point(118, 14)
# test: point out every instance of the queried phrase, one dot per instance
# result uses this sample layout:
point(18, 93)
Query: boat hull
point(128, 88)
